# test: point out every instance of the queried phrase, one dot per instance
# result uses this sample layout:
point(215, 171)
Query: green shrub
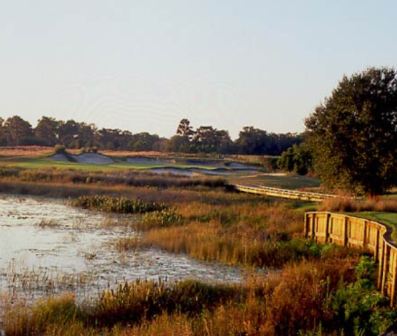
point(59, 149)
point(359, 307)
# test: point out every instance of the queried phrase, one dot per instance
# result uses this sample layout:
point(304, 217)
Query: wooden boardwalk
point(283, 193)
point(340, 229)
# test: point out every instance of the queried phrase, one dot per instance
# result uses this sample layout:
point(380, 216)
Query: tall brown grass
point(250, 234)
point(293, 301)
point(353, 205)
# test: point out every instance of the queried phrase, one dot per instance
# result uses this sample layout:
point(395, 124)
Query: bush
point(359, 308)
point(59, 149)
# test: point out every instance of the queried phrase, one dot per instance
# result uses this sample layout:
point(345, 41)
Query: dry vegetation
point(305, 298)
point(131, 178)
point(314, 291)
point(346, 204)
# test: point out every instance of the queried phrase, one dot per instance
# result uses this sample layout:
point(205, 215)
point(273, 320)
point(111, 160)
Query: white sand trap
point(240, 166)
point(144, 160)
point(59, 157)
point(93, 158)
point(172, 171)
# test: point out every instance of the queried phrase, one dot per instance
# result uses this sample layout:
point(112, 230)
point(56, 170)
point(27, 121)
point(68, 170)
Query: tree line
point(15, 131)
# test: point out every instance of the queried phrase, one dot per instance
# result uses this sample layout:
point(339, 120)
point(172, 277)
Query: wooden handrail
point(283, 193)
point(351, 231)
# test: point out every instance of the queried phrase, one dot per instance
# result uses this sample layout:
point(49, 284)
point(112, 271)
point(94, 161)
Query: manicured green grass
point(387, 218)
point(47, 163)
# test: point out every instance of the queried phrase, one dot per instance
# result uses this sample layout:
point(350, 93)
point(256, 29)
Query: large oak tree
point(353, 134)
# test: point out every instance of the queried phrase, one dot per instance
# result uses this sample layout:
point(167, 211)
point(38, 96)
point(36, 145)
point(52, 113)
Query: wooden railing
point(328, 227)
point(283, 193)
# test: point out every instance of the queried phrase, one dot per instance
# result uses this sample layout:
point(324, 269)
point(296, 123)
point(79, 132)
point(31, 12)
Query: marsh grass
point(160, 219)
point(250, 234)
point(120, 177)
point(301, 299)
point(43, 280)
point(48, 223)
point(125, 244)
point(117, 204)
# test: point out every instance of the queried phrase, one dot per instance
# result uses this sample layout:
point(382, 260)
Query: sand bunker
point(91, 158)
point(59, 157)
point(144, 160)
point(172, 171)
point(239, 166)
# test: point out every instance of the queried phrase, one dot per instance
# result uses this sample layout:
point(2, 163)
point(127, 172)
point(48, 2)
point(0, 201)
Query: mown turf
point(387, 218)
point(48, 163)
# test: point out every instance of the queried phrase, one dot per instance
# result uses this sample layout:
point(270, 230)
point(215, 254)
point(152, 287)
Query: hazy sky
point(144, 65)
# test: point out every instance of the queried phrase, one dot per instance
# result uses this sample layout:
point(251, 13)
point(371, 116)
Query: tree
point(184, 129)
point(3, 134)
point(18, 131)
point(353, 134)
point(69, 134)
point(179, 143)
point(253, 140)
point(143, 141)
point(297, 159)
point(46, 131)
point(207, 139)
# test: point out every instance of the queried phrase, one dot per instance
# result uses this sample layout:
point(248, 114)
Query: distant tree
point(86, 135)
point(252, 141)
point(207, 139)
point(353, 134)
point(143, 141)
point(46, 131)
point(179, 143)
point(69, 134)
point(18, 131)
point(184, 129)
point(297, 159)
point(3, 134)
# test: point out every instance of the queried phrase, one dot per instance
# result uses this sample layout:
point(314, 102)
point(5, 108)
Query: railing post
point(314, 226)
point(393, 278)
point(345, 237)
point(327, 220)
point(306, 226)
point(381, 264)
point(376, 253)
point(386, 266)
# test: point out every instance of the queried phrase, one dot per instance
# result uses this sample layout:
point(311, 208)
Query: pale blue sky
point(144, 65)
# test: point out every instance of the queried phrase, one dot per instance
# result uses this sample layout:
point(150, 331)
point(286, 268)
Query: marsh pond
point(48, 247)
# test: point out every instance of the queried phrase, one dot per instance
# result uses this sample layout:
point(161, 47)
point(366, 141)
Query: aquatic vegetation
point(302, 299)
point(159, 219)
point(117, 204)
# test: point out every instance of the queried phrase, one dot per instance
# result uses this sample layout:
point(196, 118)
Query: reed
point(159, 219)
point(302, 299)
point(117, 204)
